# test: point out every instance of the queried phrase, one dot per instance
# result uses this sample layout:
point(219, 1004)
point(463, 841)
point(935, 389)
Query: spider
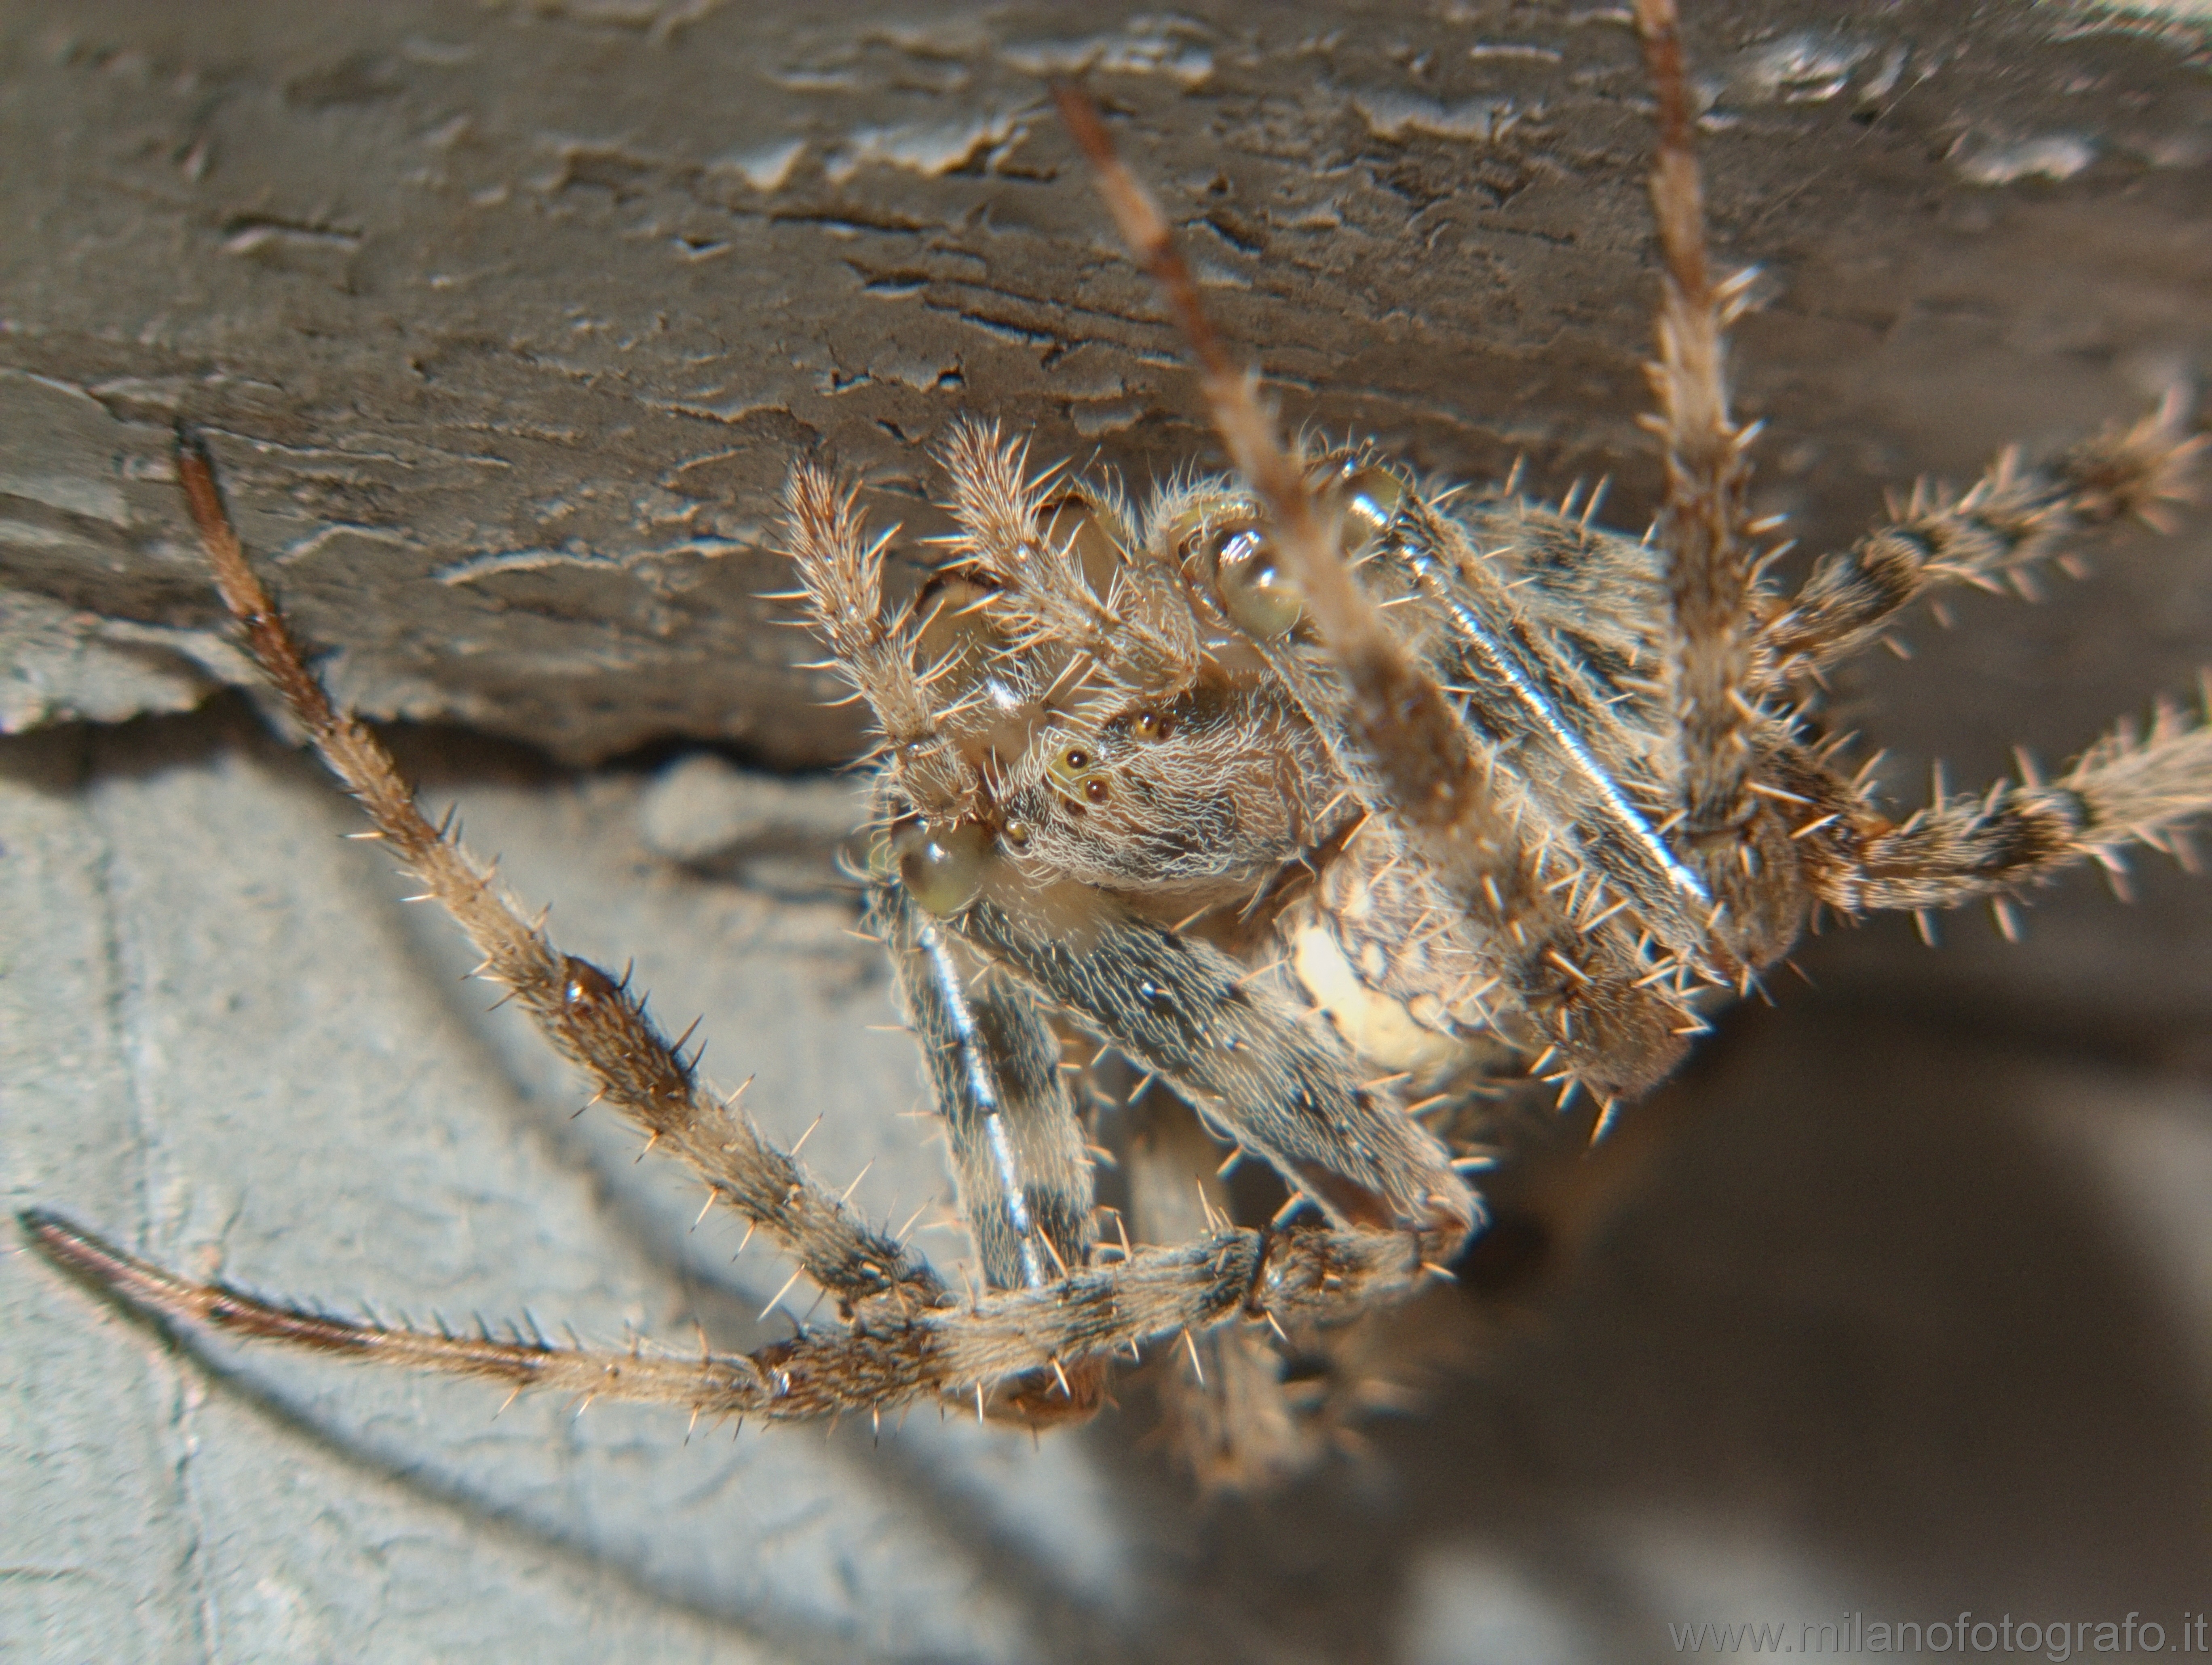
point(1341, 804)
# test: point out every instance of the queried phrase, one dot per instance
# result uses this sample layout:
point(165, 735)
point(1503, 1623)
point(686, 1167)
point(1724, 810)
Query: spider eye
point(1371, 498)
point(943, 867)
point(1255, 594)
point(1075, 772)
point(1153, 725)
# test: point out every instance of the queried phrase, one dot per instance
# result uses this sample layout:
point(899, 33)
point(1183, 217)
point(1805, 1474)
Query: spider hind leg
point(1998, 535)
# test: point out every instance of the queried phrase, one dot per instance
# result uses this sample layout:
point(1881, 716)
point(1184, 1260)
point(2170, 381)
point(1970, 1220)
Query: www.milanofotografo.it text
point(1965, 1633)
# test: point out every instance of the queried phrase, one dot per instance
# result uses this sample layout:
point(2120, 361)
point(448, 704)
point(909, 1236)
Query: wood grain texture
point(507, 321)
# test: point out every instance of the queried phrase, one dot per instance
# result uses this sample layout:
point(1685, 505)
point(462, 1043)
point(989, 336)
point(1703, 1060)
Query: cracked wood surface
point(506, 321)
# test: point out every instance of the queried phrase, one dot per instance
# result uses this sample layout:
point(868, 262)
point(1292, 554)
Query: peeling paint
point(327, 256)
point(470, 405)
point(920, 371)
point(1981, 162)
point(1491, 51)
point(2192, 149)
point(766, 169)
point(1809, 66)
point(1393, 115)
point(43, 405)
point(58, 663)
point(1096, 421)
point(476, 567)
point(88, 496)
point(1149, 46)
point(2195, 11)
point(439, 54)
point(932, 149)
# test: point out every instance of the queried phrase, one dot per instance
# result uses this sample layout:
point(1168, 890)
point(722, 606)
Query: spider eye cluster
point(1080, 768)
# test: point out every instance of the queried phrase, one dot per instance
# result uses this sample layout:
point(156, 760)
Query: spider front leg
point(1728, 827)
point(589, 1017)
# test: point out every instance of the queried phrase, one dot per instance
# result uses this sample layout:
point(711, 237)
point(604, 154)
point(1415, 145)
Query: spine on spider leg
point(599, 1024)
point(1999, 531)
point(594, 1021)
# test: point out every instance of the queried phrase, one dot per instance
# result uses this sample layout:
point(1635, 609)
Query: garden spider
point(1333, 857)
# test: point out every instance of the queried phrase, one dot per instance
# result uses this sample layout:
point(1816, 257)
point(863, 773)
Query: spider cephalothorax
point(1334, 803)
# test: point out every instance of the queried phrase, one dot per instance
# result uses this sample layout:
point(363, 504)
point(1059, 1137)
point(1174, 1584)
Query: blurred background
point(505, 325)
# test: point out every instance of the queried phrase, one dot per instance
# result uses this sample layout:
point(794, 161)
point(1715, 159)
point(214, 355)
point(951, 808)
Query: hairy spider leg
point(886, 1357)
point(1766, 850)
point(1019, 1162)
point(1996, 536)
point(2134, 786)
point(1734, 836)
point(588, 1017)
